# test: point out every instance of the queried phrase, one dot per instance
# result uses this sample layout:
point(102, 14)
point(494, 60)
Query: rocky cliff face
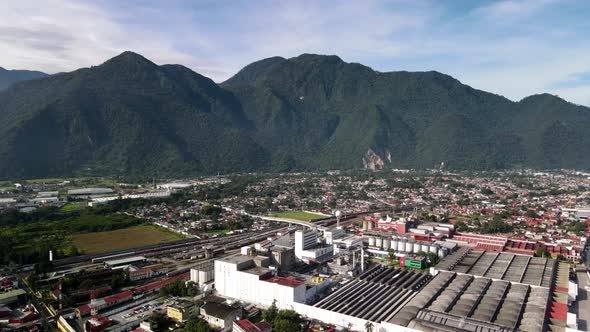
point(372, 161)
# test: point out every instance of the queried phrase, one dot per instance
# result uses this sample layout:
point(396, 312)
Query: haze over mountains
point(130, 116)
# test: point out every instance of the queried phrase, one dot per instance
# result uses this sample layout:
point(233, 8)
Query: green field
point(48, 180)
point(137, 236)
point(217, 231)
point(297, 215)
point(73, 206)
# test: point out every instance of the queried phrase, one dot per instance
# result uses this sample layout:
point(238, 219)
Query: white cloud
point(504, 47)
point(60, 35)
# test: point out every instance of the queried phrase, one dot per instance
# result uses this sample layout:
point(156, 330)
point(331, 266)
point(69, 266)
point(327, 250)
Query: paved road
point(583, 304)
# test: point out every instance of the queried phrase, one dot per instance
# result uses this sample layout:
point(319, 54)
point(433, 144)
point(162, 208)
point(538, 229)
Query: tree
point(282, 320)
point(32, 280)
point(542, 252)
point(197, 325)
point(270, 314)
point(433, 258)
point(391, 254)
point(287, 321)
point(161, 321)
point(461, 226)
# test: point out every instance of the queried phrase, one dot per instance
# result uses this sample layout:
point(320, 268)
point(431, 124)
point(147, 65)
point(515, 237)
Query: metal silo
point(401, 245)
point(416, 248)
point(386, 244)
point(379, 242)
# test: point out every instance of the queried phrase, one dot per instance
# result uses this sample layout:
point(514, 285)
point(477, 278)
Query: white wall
point(342, 320)
point(244, 286)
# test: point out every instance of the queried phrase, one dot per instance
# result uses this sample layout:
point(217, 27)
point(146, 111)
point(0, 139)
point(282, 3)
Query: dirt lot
point(92, 243)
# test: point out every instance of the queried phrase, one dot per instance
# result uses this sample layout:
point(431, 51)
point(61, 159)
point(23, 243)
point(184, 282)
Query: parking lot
point(140, 311)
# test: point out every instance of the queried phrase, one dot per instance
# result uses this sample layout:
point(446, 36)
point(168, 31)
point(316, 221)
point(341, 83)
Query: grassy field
point(298, 215)
point(48, 180)
point(92, 243)
point(217, 231)
point(72, 206)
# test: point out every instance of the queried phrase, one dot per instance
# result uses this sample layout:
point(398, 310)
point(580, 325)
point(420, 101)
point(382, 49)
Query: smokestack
point(362, 259)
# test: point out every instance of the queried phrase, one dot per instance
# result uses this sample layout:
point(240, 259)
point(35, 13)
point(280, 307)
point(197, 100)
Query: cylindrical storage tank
point(378, 242)
point(409, 246)
point(365, 225)
point(371, 241)
point(424, 247)
point(401, 246)
point(442, 253)
point(205, 276)
point(195, 275)
point(386, 244)
point(370, 225)
point(394, 243)
point(416, 248)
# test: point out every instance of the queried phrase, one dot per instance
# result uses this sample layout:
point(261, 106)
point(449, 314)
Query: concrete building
point(88, 192)
point(182, 311)
point(238, 277)
point(139, 274)
point(220, 315)
point(282, 257)
point(309, 249)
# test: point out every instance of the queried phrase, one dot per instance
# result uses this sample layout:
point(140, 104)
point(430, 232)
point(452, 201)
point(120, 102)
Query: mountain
point(321, 112)
point(8, 77)
point(130, 116)
point(126, 116)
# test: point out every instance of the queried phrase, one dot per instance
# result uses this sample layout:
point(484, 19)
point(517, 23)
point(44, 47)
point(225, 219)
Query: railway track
point(165, 248)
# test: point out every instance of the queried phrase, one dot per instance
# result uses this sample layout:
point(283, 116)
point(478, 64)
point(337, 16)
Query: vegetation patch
point(73, 206)
point(137, 236)
point(297, 215)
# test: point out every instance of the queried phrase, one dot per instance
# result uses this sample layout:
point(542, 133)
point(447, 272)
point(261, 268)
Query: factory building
point(462, 302)
point(88, 193)
point(239, 277)
point(309, 249)
point(535, 271)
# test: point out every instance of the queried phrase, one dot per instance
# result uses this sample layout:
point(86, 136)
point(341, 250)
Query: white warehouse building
point(239, 278)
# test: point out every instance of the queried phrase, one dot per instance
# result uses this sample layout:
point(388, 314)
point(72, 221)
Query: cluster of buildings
point(15, 310)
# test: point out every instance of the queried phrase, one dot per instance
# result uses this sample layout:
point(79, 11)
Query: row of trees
point(283, 320)
point(180, 288)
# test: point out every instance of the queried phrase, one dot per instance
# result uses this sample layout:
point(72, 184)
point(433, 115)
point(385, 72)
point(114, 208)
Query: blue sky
point(512, 48)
